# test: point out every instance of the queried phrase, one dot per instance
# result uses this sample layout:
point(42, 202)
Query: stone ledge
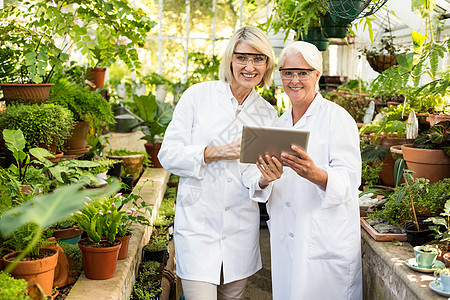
point(121, 285)
point(386, 277)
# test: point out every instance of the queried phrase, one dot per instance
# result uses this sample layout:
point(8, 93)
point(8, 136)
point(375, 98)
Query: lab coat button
point(291, 235)
point(288, 204)
point(227, 208)
point(229, 180)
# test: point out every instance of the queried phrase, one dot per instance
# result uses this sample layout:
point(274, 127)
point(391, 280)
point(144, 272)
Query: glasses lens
point(301, 74)
point(243, 59)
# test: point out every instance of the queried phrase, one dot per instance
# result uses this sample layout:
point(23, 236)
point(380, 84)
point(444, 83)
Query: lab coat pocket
point(330, 235)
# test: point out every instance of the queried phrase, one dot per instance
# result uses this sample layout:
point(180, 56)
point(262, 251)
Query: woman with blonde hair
point(216, 221)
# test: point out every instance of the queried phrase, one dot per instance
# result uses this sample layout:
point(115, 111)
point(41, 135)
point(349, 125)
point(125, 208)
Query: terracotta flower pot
point(132, 164)
point(387, 169)
point(99, 263)
point(78, 138)
point(153, 150)
point(426, 163)
point(124, 248)
point(97, 76)
point(41, 271)
point(30, 93)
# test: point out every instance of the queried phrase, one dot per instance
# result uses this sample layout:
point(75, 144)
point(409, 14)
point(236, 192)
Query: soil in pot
point(417, 238)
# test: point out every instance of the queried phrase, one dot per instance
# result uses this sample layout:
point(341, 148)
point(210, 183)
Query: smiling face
point(300, 92)
point(246, 76)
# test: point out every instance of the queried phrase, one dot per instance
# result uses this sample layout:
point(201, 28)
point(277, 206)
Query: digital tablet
point(257, 141)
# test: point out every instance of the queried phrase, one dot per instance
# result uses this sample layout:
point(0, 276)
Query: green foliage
point(136, 209)
point(23, 237)
point(75, 22)
point(156, 114)
point(28, 53)
point(149, 269)
point(73, 251)
point(98, 219)
point(104, 164)
point(13, 288)
point(42, 125)
point(47, 209)
point(437, 137)
point(397, 210)
point(295, 15)
point(85, 105)
point(352, 103)
point(157, 244)
point(370, 172)
point(205, 68)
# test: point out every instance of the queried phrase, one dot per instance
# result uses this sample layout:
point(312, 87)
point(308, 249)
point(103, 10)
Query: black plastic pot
point(115, 169)
point(129, 182)
point(159, 256)
point(417, 238)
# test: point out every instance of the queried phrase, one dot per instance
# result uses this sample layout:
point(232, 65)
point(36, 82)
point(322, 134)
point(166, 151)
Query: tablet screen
point(257, 141)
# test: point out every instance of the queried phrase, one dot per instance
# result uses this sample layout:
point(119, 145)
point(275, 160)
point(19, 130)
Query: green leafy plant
point(136, 210)
point(104, 164)
point(45, 210)
point(97, 28)
point(157, 244)
point(149, 270)
point(442, 222)
point(295, 15)
point(42, 125)
point(13, 288)
point(156, 114)
point(415, 196)
point(85, 105)
point(98, 219)
point(370, 172)
point(437, 137)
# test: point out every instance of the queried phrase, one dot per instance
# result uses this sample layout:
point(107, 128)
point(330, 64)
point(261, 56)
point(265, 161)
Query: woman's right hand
point(226, 152)
point(271, 169)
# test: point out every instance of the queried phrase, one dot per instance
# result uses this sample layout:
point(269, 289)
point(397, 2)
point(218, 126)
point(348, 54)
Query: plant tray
point(381, 237)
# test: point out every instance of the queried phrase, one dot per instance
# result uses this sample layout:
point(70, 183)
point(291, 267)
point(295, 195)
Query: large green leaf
point(146, 106)
point(14, 139)
point(45, 210)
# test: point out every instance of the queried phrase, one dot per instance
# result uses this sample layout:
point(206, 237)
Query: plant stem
point(412, 205)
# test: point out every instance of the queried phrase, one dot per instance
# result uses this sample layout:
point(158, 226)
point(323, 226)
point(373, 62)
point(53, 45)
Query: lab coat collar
point(226, 88)
point(314, 108)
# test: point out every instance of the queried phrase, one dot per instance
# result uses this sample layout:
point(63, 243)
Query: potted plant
point(66, 231)
point(157, 116)
point(90, 110)
point(429, 156)
point(100, 250)
point(301, 16)
point(47, 126)
point(156, 250)
point(104, 164)
point(137, 211)
point(29, 220)
point(384, 55)
point(110, 21)
point(442, 228)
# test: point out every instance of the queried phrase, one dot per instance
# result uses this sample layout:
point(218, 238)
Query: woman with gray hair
point(216, 221)
point(314, 209)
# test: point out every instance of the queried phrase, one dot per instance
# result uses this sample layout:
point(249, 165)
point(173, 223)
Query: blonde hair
point(309, 52)
point(256, 38)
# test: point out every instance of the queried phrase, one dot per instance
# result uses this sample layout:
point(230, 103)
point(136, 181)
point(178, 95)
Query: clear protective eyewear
point(243, 58)
point(301, 73)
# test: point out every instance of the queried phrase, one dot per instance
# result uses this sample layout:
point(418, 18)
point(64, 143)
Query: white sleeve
point(177, 154)
point(344, 168)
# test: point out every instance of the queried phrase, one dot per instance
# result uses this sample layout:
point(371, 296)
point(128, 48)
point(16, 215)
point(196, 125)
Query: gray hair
point(256, 38)
point(309, 52)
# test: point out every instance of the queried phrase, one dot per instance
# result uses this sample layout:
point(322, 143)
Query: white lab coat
point(216, 221)
point(315, 234)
